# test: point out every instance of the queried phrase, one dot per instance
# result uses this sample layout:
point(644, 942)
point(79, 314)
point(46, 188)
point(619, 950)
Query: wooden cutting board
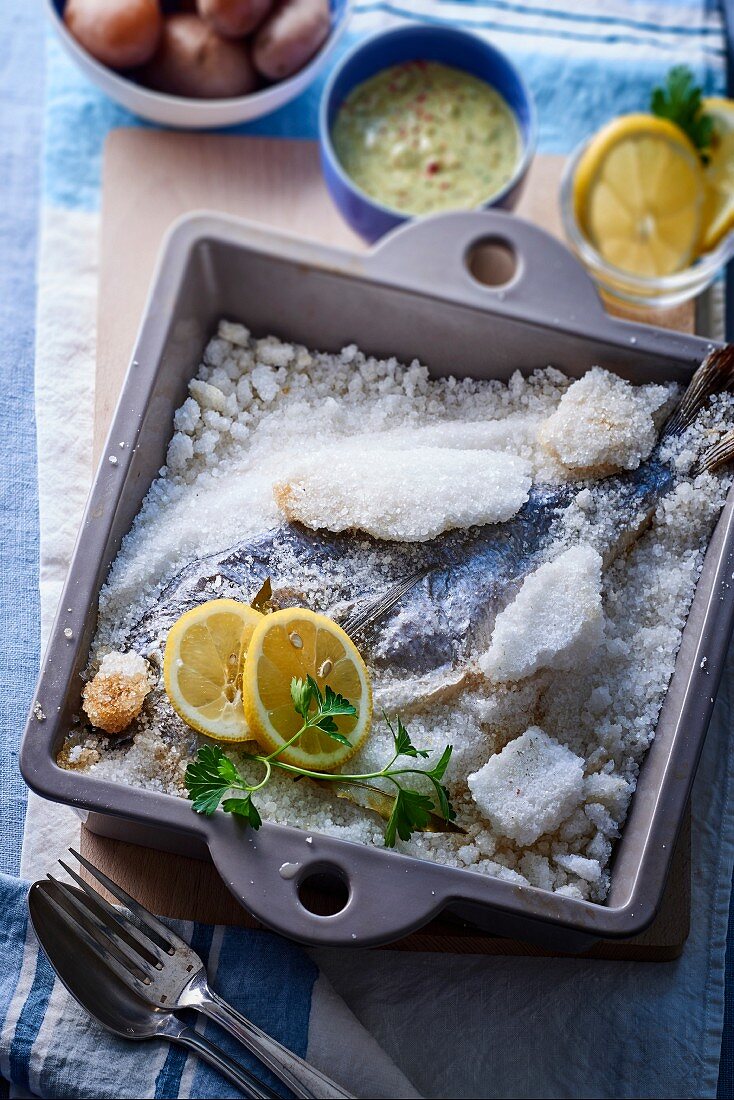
point(150, 178)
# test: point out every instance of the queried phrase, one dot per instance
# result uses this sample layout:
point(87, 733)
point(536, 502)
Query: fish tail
point(717, 455)
point(715, 375)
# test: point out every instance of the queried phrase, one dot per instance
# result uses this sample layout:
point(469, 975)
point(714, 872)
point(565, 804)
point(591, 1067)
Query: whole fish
point(457, 583)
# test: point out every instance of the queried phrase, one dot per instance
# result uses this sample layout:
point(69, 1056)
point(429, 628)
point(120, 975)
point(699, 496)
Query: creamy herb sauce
point(422, 136)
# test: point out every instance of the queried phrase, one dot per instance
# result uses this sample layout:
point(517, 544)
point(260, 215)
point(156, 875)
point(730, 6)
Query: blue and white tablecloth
point(465, 1026)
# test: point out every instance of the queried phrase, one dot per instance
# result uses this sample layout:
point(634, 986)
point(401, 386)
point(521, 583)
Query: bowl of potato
point(200, 64)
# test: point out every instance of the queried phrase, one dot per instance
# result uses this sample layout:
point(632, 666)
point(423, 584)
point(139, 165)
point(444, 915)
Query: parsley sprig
point(213, 779)
point(680, 101)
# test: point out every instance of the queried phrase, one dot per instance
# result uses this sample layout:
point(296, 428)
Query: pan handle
point(453, 253)
point(379, 896)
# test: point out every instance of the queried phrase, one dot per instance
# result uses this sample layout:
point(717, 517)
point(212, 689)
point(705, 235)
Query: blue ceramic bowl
point(416, 42)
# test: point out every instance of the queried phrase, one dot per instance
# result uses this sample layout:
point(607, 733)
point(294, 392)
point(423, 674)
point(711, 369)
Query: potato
point(194, 61)
point(234, 18)
point(120, 33)
point(290, 37)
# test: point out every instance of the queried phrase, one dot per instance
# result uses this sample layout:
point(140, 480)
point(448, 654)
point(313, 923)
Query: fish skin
point(447, 615)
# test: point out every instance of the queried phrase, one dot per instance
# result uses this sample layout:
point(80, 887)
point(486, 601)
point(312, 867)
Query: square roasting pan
point(413, 296)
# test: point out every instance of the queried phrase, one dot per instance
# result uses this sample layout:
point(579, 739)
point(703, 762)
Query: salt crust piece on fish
point(555, 621)
point(603, 423)
point(115, 696)
point(530, 787)
point(402, 495)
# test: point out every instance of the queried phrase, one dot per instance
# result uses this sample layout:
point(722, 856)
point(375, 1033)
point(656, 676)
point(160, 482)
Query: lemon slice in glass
point(639, 195)
point(297, 642)
point(719, 173)
point(202, 667)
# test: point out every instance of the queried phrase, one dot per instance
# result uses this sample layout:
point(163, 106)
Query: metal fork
point(164, 971)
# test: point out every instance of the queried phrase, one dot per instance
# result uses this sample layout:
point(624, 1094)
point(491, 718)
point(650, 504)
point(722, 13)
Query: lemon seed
point(326, 668)
point(296, 640)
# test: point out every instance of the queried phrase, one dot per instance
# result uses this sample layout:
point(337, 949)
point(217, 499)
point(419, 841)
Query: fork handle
point(236, 1074)
point(303, 1079)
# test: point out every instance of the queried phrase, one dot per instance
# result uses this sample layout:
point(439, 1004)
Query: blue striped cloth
point(54, 1049)
point(507, 1027)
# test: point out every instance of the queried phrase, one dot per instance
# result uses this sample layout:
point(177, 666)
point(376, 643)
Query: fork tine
point(127, 956)
point(169, 938)
point(100, 949)
point(132, 931)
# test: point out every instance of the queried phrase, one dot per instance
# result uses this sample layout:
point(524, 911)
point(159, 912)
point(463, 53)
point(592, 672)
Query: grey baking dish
point(413, 296)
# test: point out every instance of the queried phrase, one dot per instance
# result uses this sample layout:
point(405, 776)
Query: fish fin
point(718, 454)
point(368, 797)
point(262, 601)
point(366, 616)
point(715, 375)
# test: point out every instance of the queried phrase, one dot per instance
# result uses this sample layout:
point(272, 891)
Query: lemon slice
point(639, 195)
point(719, 212)
point(202, 667)
point(722, 112)
point(297, 642)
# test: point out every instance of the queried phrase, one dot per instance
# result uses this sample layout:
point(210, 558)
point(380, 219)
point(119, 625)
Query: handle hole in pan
point(324, 891)
point(492, 261)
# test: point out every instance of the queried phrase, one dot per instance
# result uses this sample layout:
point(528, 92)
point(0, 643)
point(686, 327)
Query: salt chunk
point(600, 699)
point(506, 874)
point(570, 891)
point(585, 500)
point(274, 353)
point(555, 621)
point(407, 496)
point(221, 381)
point(234, 333)
point(264, 383)
point(587, 869)
point(530, 787)
point(216, 352)
point(602, 422)
point(612, 791)
point(244, 393)
point(180, 451)
point(537, 870)
point(599, 816)
point(187, 417)
point(209, 397)
point(124, 664)
point(115, 696)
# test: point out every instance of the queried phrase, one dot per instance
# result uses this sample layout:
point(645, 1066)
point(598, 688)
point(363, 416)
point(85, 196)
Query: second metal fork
point(165, 971)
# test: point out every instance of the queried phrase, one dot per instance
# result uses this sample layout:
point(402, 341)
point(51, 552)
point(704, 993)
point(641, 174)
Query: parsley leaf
point(205, 782)
point(214, 780)
point(244, 807)
point(301, 694)
point(403, 745)
point(679, 100)
point(411, 810)
point(333, 703)
point(328, 705)
point(439, 769)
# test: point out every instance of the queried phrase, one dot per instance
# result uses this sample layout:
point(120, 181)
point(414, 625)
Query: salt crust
point(223, 491)
point(530, 787)
point(603, 423)
point(555, 621)
point(115, 695)
point(403, 495)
